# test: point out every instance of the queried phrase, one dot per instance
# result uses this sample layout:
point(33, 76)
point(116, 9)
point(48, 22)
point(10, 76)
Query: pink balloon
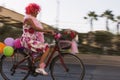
point(17, 43)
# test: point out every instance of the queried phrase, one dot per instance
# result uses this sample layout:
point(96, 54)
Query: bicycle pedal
point(34, 74)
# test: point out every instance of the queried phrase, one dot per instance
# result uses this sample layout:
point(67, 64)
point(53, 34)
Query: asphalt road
point(93, 72)
point(97, 67)
point(102, 72)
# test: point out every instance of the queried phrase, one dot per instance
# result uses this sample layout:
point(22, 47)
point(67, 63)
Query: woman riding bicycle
point(33, 35)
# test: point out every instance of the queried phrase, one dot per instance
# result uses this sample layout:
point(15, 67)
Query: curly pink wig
point(32, 7)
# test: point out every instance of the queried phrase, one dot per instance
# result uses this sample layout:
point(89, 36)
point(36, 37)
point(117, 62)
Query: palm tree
point(118, 23)
point(91, 16)
point(109, 16)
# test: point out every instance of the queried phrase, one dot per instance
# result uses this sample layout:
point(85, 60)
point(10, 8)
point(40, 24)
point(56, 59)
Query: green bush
point(103, 37)
point(9, 31)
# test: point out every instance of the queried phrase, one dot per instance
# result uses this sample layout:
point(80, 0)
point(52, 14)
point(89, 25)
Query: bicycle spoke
point(75, 68)
point(10, 67)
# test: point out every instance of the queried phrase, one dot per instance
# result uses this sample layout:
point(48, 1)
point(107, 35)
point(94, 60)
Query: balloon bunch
point(7, 47)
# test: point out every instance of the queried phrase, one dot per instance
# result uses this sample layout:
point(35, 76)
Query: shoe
point(41, 71)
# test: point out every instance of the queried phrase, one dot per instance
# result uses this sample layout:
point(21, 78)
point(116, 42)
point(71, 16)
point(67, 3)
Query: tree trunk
point(91, 24)
point(117, 28)
point(107, 25)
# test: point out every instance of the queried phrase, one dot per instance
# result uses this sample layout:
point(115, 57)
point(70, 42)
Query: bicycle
point(60, 63)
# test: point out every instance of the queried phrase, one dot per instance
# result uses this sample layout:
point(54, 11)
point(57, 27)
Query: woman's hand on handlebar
point(51, 31)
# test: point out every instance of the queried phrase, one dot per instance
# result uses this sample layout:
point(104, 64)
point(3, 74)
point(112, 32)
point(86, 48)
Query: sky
point(69, 13)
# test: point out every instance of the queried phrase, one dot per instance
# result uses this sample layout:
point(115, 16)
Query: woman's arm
point(29, 21)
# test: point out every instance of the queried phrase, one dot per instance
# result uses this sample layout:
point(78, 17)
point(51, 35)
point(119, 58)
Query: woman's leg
point(42, 63)
point(43, 58)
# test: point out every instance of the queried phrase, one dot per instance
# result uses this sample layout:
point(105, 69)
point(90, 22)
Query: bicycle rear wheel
point(8, 69)
point(74, 70)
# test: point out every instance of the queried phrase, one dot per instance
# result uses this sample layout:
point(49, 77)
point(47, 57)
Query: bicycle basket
point(64, 44)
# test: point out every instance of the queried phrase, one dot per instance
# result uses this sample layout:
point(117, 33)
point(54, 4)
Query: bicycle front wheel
point(11, 69)
point(67, 67)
